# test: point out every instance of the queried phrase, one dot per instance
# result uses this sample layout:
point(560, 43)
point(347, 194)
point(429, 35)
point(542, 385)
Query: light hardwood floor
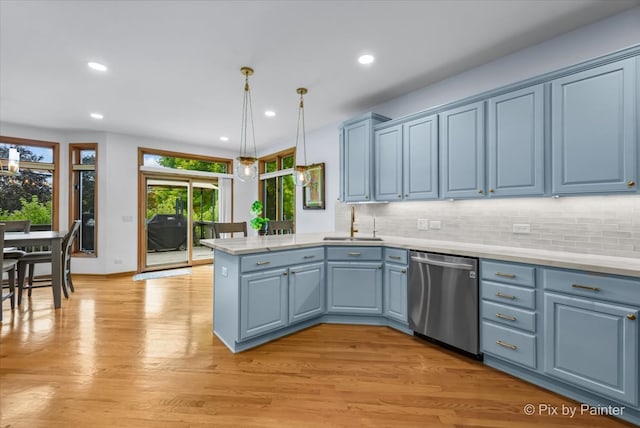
point(142, 354)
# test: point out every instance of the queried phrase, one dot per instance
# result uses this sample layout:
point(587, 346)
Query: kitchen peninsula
point(267, 287)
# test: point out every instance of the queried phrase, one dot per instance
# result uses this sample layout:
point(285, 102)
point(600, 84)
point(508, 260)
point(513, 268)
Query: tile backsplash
point(606, 225)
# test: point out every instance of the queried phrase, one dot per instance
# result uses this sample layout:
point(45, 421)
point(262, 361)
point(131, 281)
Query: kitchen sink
point(348, 238)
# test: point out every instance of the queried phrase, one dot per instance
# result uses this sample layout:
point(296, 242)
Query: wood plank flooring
point(142, 354)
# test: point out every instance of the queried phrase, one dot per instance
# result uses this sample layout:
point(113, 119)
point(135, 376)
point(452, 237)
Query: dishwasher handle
point(428, 261)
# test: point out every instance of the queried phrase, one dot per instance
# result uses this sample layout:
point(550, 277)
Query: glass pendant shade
point(246, 168)
point(13, 163)
point(301, 176)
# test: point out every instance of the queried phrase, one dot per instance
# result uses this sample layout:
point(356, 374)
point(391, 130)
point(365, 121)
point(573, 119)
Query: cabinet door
point(354, 288)
point(462, 155)
point(263, 302)
point(395, 292)
point(388, 164)
point(594, 119)
point(420, 155)
point(357, 161)
point(516, 143)
point(593, 345)
point(306, 292)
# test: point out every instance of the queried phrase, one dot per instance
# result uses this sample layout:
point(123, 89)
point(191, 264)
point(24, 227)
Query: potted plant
point(258, 222)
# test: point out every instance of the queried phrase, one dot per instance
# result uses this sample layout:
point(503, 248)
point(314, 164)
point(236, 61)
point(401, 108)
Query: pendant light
point(13, 163)
point(301, 176)
point(246, 170)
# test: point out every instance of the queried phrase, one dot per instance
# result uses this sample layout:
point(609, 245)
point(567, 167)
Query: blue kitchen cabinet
point(395, 292)
point(462, 146)
point(388, 164)
point(516, 143)
point(306, 292)
point(356, 158)
point(354, 288)
point(593, 345)
point(263, 302)
point(594, 118)
point(420, 158)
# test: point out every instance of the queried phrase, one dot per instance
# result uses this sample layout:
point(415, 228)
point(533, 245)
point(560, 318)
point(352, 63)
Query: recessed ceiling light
point(97, 116)
point(270, 113)
point(97, 66)
point(224, 138)
point(366, 59)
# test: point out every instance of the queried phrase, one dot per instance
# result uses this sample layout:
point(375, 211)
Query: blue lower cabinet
point(395, 293)
point(593, 345)
point(306, 292)
point(263, 302)
point(354, 288)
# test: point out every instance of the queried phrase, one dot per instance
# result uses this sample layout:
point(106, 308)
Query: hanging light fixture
point(13, 163)
point(301, 176)
point(246, 169)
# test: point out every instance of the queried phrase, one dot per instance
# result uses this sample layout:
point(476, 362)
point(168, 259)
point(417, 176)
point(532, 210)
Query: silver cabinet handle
point(505, 296)
point(403, 271)
point(262, 263)
point(505, 275)
point(585, 287)
point(394, 257)
point(308, 257)
point(284, 274)
point(353, 254)
point(506, 345)
point(506, 317)
point(631, 317)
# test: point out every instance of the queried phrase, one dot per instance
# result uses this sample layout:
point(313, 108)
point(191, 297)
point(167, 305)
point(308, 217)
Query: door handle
point(505, 275)
point(506, 317)
point(505, 296)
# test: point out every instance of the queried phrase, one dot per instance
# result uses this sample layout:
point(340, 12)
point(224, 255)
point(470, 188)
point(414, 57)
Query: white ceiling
point(174, 66)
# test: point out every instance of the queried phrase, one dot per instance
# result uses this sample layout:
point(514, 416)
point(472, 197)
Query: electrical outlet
point(423, 224)
point(117, 261)
point(435, 224)
point(127, 219)
point(521, 228)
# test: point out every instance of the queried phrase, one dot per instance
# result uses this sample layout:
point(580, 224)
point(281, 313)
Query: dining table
point(50, 238)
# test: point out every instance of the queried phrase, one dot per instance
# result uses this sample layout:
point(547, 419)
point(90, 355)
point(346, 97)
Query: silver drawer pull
point(585, 287)
point(506, 296)
point(505, 275)
point(403, 271)
point(354, 254)
point(262, 263)
point(506, 317)
point(394, 257)
point(506, 345)
point(308, 257)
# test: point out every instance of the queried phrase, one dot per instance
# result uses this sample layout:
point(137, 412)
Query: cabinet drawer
point(394, 255)
point(280, 259)
point(354, 254)
point(598, 286)
point(509, 344)
point(508, 294)
point(508, 273)
point(509, 316)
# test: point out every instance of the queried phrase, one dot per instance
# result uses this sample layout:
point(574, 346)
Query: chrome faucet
point(353, 230)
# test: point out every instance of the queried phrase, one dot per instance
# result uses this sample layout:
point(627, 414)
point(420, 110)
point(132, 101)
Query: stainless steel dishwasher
point(443, 299)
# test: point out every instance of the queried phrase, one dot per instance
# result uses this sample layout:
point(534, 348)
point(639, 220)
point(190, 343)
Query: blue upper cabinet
point(516, 143)
point(357, 158)
point(594, 119)
point(462, 151)
point(388, 161)
point(420, 155)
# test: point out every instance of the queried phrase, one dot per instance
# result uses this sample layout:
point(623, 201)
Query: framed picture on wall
point(313, 194)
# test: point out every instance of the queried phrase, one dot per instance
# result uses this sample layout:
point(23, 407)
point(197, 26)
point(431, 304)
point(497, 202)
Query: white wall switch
point(423, 224)
point(224, 271)
point(435, 224)
point(127, 219)
point(521, 228)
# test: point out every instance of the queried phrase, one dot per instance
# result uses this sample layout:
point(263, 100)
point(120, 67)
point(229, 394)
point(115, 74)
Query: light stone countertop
point(588, 262)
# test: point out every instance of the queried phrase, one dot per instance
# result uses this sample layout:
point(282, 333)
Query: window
point(83, 201)
point(277, 189)
point(33, 193)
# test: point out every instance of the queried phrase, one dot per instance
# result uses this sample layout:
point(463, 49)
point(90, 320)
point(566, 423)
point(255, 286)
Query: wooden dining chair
point(280, 227)
point(8, 266)
point(15, 226)
point(31, 259)
point(219, 228)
